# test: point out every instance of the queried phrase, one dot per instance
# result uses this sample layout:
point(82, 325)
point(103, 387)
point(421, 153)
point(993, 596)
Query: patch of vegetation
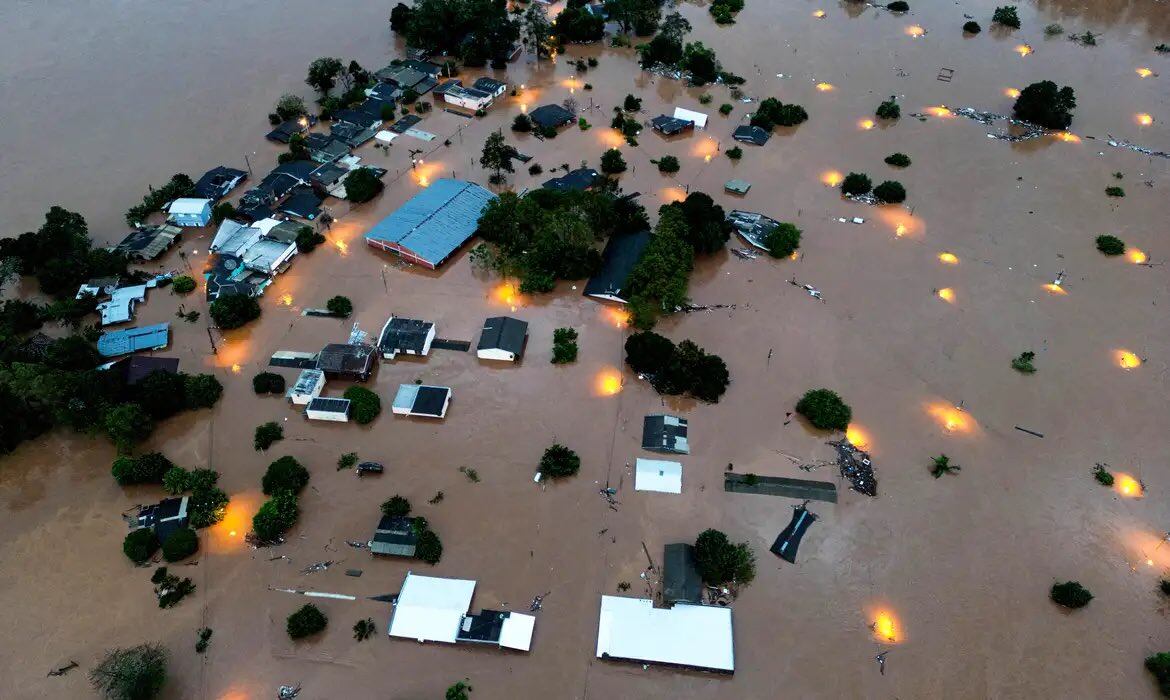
point(364, 629)
point(437, 498)
point(782, 240)
point(559, 461)
point(705, 98)
point(396, 507)
point(889, 109)
point(576, 25)
point(1102, 475)
point(724, 10)
point(140, 545)
point(628, 126)
point(855, 184)
point(1006, 16)
point(471, 474)
point(719, 561)
point(673, 369)
point(170, 589)
point(180, 185)
point(522, 123)
point(825, 409)
point(347, 461)
point(772, 113)
point(535, 169)
point(890, 192)
point(942, 465)
point(1159, 665)
point(583, 125)
point(267, 434)
point(1114, 191)
point(231, 311)
point(667, 164)
point(183, 284)
point(898, 160)
point(898, 6)
point(339, 306)
point(612, 162)
point(268, 383)
point(458, 691)
point(308, 239)
point(362, 185)
point(1110, 245)
point(1053, 30)
point(497, 156)
point(276, 516)
point(207, 501)
point(307, 620)
point(1164, 587)
point(1023, 362)
point(473, 31)
point(632, 103)
point(564, 346)
point(147, 468)
point(284, 475)
point(136, 673)
point(364, 405)
point(1070, 594)
point(972, 27)
point(1045, 104)
point(1086, 39)
point(725, 109)
point(734, 153)
point(1162, 48)
point(203, 641)
point(181, 544)
point(429, 547)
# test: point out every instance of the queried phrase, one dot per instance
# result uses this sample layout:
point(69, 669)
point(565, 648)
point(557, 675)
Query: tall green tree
point(323, 74)
point(497, 156)
point(137, 673)
point(539, 29)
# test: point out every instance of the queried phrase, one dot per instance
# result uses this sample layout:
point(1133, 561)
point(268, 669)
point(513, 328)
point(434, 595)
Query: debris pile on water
point(856, 466)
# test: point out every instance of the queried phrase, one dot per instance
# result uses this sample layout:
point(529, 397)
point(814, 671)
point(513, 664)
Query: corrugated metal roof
point(435, 222)
point(129, 340)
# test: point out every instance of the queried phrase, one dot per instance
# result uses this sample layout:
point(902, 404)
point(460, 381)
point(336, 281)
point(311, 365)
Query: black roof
point(483, 627)
point(551, 116)
point(430, 399)
point(373, 107)
point(317, 140)
point(423, 66)
point(661, 435)
point(751, 134)
point(504, 333)
point(302, 203)
point(788, 541)
point(139, 367)
point(445, 86)
point(321, 403)
point(488, 84)
point(357, 117)
point(218, 182)
point(617, 261)
point(404, 334)
point(300, 169)
point(344, 358)
point(405, 123)
point(254, 211)
point(577, 180)
point(671, 125)
point(327, 174)
point(680, 577)
point(284, 131)
point(224, 278)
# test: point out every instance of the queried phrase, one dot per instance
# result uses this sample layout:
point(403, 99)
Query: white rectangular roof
point(698, 118)
point(517, 631)
point(430, 609)
point(658, 475)
point(699, 636)
point(188, 205)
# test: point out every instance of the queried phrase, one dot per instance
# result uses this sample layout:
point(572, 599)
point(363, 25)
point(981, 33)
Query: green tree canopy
point(1045, 104)
point(719, 561)
point(362, 185)
point(231, 311)
point(825, 409)
point(136, 673)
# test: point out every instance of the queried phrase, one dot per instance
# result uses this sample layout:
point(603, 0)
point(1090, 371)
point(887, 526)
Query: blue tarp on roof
point(130, 340)
point(435, 222)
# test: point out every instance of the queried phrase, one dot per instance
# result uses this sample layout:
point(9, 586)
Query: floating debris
point(855, 466)
point(1118, 143)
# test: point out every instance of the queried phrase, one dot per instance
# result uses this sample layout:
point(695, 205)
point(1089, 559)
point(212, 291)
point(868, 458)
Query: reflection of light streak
point(1127, 360)
point(673, 194)
point(940, 111)
point(524, 107)
point(947, 294)
point(858, 437)
point(1126, 485)
point(832, 178)
point(619, 317)
point(608, 382)
point(1055, 289)
point(286, 299)
point(1023, 49)
point(948, 258)
point(951, 418)
point(508, 294)
point(825, 87)
point(795, 255)
point(1012, 93)
point(1144, 119)
point(915, 31)
point(229, 532)
point(900, 231)
point(342, 247)
point(866, 124)
point(1145, 72)
point(1068, 137)
point(611, 137)
point(1136, 255)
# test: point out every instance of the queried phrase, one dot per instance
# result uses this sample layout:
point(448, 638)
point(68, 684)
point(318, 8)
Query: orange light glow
point(1127, 486)
point(619, 317)
point(1011, 92)
point(940, 111)
point(1023, 49)
point(1055, 289)
point(1068, 137)
point(1136, 256)
point(915, 30)
point(951, 418)
point(673, 194)
point(228, 534)
point(795, 255)
point(866, 124)
point(1145, 72)
point(900, 230)
point(608, 382)
point(236, 368)
point(1127, 360)
point(825, 87)
point(611, 138)
point(885, 627)
point(857, 436)
point(947, 294)
point(832, 178)
point(1144, 119)
point(509, 295)
point(819, 14)
point(342, 247)
point(286, 299)
point(524, 107)
point(948, 258)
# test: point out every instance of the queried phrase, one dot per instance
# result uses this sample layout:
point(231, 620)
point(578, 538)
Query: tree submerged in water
point(942, 465)
point(137, 673)
point(1046, 105)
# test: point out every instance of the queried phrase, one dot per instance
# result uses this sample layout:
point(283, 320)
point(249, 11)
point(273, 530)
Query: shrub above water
point(825, 409)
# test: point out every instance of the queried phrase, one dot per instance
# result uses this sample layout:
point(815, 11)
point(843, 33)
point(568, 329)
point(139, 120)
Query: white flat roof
point(658, 475)
point(698, 118)
point(188, 205)
point(699, 636)
point(517, 631)
point(430, 609)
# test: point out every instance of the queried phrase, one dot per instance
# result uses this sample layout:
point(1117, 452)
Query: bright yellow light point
point(795, 256)
point(819, 14)
point(1068, 137)
point(1012, 93)
point(866, 124)
point(673, 194)
point(1127, 359)
point(857, 437)
point(236, 369)
point(825, 87)
point(948, 258)
point(1136, 256)
point(232, 533)
point(1023, 49)
point(1145, 72)
point(915, 30)
point(620, 318)
point(609, 382)
point(941, 111)
point(951, 418)
point(947, 294)
point(1128, 486)
point(707, 158)
point(900, 230)
point(885, 627)
point(1052, 288)
point(342, 247)
point(524, 107)
point(832, 178)
point(1144, 119)
point(286, 299)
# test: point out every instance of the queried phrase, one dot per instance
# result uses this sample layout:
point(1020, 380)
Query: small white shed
point(336, 410)
point(308, 387)
point(658, 475)
point(189, 211)
point(698, 118)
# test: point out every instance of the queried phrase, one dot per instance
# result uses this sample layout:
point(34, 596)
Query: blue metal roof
point(129, 340)
point(435, 222)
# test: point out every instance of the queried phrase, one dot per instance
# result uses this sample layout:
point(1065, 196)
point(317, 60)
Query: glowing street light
point(1145, 72)
point(819, 14)
point(1127, 360)
point(948, 258)
point(1012, 93)
point(915, 31)
point(832, 178)
point(946, 294)
point(825, 87)
point(1144, 119)
point(1136, 256)
point(866, 124)
point(1023, 50)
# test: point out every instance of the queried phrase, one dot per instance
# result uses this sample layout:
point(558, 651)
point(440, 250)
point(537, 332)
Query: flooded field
point(98, 102)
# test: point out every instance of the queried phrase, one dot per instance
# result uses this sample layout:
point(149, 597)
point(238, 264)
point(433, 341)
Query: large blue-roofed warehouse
point(433, 224)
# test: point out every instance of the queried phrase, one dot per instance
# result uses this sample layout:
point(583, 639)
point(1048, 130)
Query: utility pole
point(211, 339)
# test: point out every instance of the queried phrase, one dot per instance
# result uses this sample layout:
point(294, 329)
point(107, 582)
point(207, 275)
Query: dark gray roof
point(358, 118)
point(483, 627)
point(551, 115)
point(284, 131)
point(346, 359)
point(321, 403)
point(328, 174)
point(617, 261)
point(404, 335)
point(218, 182)
point(405, 123)
point(490, 85)
point(504, 333)
point(149, 242)
point(139, 367)
point(663, 433)
point(751, 134)
point(681, 582)
point(577, 180)
point(394, 536)
point(302, 203)
point(430, 399)
point(671, 125)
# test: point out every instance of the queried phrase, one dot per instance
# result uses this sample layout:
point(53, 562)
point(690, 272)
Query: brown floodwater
point(97, 102)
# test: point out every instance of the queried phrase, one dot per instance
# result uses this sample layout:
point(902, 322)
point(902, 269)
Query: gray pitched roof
point(504, 333)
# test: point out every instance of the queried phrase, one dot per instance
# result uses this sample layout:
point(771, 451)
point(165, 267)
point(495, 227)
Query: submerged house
point(681, 582)
point(468, 98)
point(347, 360)
point(503, 338)
point(551, 116)
point(218, 182)
point(751, 134)
point(354, 127)
point(309, 384)
point(395, 536)
point(433, 609)
point(664, 433)
point(405, 336)
point(433, 224)
point(165, 517)
point(247, 258)
point(491, 86)
point(422, 400)
point(189, 212)
point(323, 148)
point(657, 475)
point(671, 126)
point(579, 180)
point(284, 131)
point(689, 636)
point(149, 242)
point(321, 408)
point(135, 368)
point(697, 118)
point(621, 254)
point(752, 226)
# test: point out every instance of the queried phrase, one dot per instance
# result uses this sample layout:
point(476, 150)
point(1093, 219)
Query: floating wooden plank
point(803, 489)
